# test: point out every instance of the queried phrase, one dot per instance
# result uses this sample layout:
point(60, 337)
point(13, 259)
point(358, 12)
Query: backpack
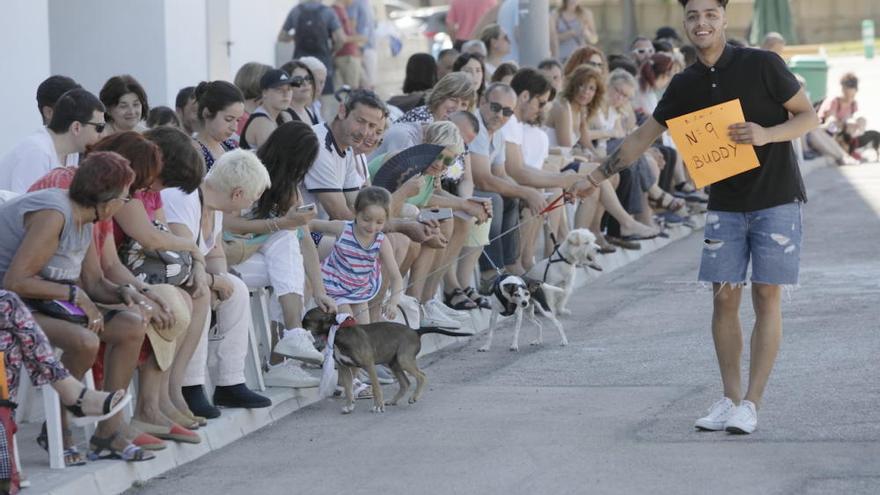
point(311, 36)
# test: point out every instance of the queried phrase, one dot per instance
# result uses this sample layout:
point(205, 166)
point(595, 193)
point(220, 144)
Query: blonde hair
point(618, 76)
point(239, 168)
point(453, 85)
point(445, 133)
point(247, 79)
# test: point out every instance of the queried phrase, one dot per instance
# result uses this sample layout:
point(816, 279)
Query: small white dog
point(514, 297)
point(578, 249)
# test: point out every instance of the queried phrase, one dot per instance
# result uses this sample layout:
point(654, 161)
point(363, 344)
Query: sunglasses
point(448, 160)
point(497, 107)
point(99, 126)
point(298, 81)
point(642, 51)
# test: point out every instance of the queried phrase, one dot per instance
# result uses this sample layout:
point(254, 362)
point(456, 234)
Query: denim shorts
point(770, 238)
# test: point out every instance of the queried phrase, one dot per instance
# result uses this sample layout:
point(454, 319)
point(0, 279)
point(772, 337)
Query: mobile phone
point(438, 214)
point(305, 208)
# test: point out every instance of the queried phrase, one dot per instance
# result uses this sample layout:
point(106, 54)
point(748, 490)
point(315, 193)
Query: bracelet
point(592, 180)
point(72, 292)
point(273, 224)
point(213, 280)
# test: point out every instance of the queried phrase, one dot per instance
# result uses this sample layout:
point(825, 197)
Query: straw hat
point(164, 341)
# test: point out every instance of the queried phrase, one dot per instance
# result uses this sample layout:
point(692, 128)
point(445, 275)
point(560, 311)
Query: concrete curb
point(110, 478)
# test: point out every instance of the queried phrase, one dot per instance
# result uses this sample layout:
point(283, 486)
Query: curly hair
point(577, 79)
point(100, 177)
point(581, 56)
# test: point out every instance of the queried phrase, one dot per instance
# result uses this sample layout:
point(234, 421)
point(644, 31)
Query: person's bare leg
point(291, 309)
point(454, 249)
point(440, 263)
point(360, 312)
point(727, 335)
point(150, 384)
point(80, 346)
point(418, 274)
point(530, 226)
point(123, 336)
point(467, 265)
point(766, 337)
point(586, 208)
point(645, 217)
point(185, 349)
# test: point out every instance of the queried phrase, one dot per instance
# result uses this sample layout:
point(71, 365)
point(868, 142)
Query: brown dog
point(364, 346)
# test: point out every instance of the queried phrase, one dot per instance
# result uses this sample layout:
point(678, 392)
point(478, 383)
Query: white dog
point(578, 249)
point(514, 297)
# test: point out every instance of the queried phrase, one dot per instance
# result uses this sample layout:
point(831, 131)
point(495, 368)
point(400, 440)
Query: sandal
point(113, 403)
point(72, 455)
point(148, 442)
point(175, 432)
point(464, 302)
point(667, 201)
point(362, 391)
point(477, 298)
point(604, 246)
point(103, 449)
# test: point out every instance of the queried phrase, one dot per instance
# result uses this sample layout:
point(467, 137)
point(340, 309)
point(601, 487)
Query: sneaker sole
point(736, 430)
point(707, 426)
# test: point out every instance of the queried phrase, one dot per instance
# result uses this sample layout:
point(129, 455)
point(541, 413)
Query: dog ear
point(574, 238)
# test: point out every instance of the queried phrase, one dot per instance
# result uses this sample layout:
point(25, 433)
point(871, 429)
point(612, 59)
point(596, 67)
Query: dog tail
point(426, 330)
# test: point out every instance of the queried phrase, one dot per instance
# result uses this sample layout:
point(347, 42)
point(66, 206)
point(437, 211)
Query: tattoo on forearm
point(612, 164)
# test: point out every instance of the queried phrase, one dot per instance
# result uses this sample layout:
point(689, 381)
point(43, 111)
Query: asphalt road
point(613, 411)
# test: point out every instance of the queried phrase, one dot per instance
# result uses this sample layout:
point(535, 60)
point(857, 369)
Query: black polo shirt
point(762, 82)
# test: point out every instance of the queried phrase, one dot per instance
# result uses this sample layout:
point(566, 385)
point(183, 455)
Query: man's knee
point(766, 296)
point(726, 298)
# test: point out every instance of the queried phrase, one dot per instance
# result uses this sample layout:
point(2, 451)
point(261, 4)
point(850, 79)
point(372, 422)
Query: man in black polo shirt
point(753, 216)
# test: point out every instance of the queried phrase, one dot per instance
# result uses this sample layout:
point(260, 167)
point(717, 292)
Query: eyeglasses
point(99, 126)
point(497, 107)
point(597, 65)
point(298, 81)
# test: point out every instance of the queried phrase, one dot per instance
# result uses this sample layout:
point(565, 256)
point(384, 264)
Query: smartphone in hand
point(438, 214)
point(305, 208)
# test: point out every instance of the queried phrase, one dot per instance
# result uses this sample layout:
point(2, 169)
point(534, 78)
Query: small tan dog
point(364, 346)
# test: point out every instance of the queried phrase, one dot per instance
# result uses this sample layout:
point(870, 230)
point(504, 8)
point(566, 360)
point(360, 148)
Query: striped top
point(352, 273)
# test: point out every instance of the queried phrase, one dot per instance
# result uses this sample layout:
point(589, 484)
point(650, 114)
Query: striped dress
point(352, 273)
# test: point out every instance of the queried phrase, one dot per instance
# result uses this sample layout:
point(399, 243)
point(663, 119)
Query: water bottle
point(868, 37)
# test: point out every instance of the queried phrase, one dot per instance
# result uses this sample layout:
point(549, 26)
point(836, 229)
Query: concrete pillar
point(534, 34)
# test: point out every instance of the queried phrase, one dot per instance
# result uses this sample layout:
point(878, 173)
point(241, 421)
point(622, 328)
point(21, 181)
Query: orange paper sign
point(701, 138)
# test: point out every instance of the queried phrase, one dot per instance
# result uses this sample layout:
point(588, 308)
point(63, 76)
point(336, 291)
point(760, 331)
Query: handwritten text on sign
point(708, 153)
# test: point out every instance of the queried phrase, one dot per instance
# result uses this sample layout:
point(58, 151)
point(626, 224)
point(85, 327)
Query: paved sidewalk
point(613, 412)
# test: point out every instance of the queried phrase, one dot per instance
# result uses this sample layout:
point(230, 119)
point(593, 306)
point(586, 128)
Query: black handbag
point(156, 266)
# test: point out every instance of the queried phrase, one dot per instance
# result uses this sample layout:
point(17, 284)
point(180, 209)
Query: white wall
point(24, 32)
point(92, 40)
point(186, 51)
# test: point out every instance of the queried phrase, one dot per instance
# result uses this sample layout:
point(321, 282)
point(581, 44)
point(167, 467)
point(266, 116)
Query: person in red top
point(463, 17)
point(347, 59)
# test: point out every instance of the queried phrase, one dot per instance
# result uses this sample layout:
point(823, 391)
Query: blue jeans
point(504, 250)
point(770, 238)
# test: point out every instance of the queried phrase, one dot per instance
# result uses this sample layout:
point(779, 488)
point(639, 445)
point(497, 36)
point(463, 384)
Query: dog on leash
point(578, 249)
point(517, 296)
point(364, 346)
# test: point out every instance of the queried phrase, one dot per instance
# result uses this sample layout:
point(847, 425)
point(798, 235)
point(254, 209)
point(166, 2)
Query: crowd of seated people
point(134, 234)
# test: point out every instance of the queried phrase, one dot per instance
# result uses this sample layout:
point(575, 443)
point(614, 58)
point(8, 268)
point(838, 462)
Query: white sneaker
point(432, 317)
point(716, 416)
point(297, 345)
point(382, 373)
point(744, 419)
point(291, 375)
point(447, 311)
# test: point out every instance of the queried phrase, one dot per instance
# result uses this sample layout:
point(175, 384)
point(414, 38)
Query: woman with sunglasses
point(302, 80)
point(272, 112)
point(47, 257)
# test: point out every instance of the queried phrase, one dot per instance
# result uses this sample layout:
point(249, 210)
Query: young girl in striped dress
point(353, 271)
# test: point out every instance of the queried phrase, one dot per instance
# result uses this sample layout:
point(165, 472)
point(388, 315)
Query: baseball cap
point(274, 78)
point(667, 32)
